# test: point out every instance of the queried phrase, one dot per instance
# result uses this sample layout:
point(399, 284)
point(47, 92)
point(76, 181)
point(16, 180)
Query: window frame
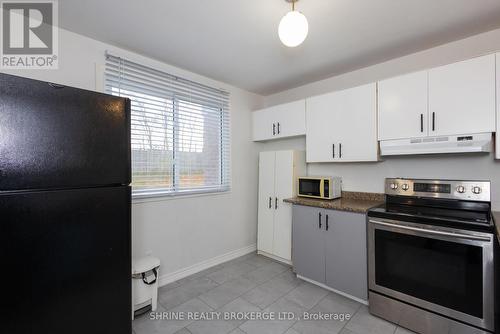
point(224, 165)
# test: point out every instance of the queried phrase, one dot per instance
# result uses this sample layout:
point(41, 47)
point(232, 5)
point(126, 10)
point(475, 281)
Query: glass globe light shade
point(293, 29)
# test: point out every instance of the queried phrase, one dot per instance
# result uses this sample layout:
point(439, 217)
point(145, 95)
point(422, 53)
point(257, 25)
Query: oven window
point(441, 272)
point(310, 187)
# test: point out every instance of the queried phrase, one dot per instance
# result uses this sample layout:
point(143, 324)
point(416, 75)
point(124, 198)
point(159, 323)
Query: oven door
point(444, 270)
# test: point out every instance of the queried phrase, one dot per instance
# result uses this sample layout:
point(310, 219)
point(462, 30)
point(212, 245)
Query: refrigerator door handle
point(56, 86)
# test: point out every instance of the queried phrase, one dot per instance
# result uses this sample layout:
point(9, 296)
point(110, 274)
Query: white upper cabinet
point(497, 137)
point(263, 124)
point(342, 126)
point(321, 118)
point(462, 97)
point(285, 120)
point(357, 130)
point(402, 106)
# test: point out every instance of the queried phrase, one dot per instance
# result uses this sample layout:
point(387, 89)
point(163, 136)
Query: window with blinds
point(180, 130)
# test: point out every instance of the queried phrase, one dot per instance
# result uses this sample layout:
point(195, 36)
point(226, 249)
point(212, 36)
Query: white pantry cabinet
point(462, 97)
point(342, 126)
point(281, 121)
point(497, 136)
point(278, 172)
point(402, 106)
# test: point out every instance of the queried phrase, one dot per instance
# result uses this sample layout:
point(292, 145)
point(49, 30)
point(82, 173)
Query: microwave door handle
point(432, 232)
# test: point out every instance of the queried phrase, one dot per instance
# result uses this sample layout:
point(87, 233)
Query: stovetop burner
point(438, 202)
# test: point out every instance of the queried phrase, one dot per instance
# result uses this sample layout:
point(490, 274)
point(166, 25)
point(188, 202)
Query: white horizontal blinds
point(180, 130)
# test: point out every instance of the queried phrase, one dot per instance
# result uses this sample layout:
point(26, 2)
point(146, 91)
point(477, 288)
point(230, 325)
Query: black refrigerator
point(65, 231)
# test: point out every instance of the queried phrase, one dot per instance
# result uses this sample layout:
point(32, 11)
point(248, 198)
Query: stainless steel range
point(430, 256)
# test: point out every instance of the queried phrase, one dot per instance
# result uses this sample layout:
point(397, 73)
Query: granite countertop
point(358, 202)
point(496, 220)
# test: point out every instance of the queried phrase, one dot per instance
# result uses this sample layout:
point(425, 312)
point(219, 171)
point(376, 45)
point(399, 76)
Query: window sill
point(147, 198)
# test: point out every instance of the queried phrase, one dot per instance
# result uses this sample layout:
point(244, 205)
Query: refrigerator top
point(53, 136)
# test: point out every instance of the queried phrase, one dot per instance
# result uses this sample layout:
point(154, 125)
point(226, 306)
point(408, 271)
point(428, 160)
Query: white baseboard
point(359, 300)
point(195, 268)
point(274, 257)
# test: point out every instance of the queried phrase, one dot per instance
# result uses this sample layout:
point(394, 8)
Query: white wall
point(370, 176)
point(180, 231)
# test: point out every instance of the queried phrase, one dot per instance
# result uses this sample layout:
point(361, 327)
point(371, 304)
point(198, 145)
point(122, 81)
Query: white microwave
point(319, 187)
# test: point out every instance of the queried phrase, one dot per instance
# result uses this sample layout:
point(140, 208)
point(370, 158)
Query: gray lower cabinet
point(345, 248)
point(308, 244)
point(329, 247)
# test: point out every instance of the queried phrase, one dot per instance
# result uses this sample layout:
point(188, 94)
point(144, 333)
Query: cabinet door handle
point(319, 220)
point(276, 203)
point(421, 122)
point(433, 121)
point(270, 202)
point(274, 129)
point(333, 151)
point(278, 127)
point(327, 222)
point(340, 150)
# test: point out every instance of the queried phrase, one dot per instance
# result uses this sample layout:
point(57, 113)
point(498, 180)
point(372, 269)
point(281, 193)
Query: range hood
point(469, 143)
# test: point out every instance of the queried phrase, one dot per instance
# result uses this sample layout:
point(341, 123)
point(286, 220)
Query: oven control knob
point(394, 186)
point(461, 189)
point(405, 187)
point(476, 190)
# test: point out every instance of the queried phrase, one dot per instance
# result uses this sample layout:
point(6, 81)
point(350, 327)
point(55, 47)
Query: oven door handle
point(423, 230)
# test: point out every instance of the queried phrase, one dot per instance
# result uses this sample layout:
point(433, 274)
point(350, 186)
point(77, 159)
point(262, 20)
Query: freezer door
point(61, 137)
point(66, 261)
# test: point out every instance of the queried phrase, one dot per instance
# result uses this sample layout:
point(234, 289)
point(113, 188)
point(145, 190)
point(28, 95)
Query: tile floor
point(254, 285)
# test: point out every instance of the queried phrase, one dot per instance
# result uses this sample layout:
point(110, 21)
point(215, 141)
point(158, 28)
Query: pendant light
point(293, 27)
